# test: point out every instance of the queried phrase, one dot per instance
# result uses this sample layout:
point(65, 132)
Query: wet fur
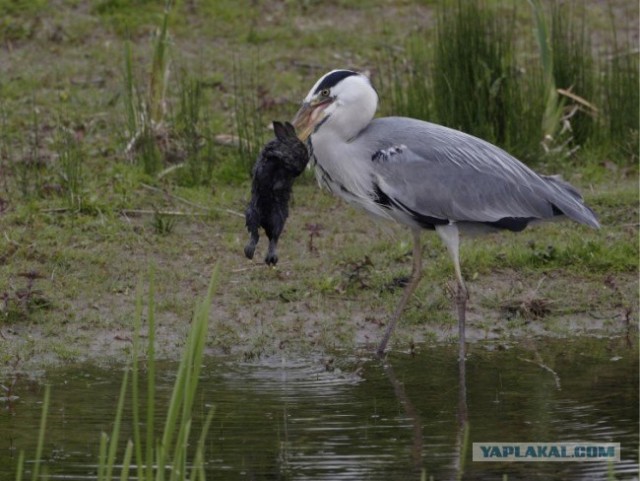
point(280, 162)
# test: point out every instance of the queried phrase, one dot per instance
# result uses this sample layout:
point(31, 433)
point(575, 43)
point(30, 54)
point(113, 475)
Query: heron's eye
point(325, 93)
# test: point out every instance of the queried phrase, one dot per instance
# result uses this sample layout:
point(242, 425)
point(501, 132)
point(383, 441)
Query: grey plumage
point(446, 174)
point(423, 175)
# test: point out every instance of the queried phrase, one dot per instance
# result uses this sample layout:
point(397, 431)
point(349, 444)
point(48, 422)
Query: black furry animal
point(280, 162)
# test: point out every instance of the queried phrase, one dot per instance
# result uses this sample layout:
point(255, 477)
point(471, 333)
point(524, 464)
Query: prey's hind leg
point(250, 248)
point(274, 228)
point(272, 255)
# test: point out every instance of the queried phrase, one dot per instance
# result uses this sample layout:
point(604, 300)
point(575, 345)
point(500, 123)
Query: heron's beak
point(309, 115)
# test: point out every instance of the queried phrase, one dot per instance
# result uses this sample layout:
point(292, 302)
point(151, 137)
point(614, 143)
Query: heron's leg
point(449, 234)
point(416, 275)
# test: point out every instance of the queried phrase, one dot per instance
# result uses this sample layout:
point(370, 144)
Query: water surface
point(361, 419)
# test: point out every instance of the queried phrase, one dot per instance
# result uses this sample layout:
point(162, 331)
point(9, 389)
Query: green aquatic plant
point(168, 456)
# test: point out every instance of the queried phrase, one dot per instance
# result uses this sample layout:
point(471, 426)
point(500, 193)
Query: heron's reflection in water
point(462, 434)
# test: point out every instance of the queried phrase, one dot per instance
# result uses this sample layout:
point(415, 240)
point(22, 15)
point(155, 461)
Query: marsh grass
point(71, 159)
point(408, 80)
point(29, 167)
point(168, 137)
point(154, 458)
point(473, 69)
point(159, 75)
point(140, 134)
point(474, 79)
point(6, 150)
point(145, 109)
point(194, 136)
point(552, 112)
point(574, 70)
point(163, 224)
point(249, 121)
point(124, 16)
point(132, 100)
point(622, 99)
point(470, 80)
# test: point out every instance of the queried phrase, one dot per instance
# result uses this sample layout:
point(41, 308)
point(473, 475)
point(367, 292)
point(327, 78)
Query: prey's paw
point(249, 250)
point(271, 259)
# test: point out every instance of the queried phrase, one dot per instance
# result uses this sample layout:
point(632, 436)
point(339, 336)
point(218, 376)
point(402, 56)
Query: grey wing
point(440, 173)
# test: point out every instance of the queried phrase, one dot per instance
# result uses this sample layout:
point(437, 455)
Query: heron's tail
point(568, 201)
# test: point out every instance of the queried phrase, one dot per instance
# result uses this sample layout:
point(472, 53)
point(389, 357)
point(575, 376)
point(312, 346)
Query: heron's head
point(342, 100)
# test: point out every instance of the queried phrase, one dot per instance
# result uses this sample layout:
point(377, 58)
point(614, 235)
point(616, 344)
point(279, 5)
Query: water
point(361, 419)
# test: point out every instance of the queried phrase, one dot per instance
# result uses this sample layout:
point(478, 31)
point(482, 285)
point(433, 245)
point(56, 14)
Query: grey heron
point(423, 175)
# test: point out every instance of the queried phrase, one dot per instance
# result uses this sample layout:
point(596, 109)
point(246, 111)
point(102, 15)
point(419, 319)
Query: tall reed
point(146, 114)
point(132, 101)
point(193, 135)
point(622, 97)
point(249, 121)
point(171, 449)
point(155, 458)
point(473, 69)
point(474, 79)
point(408, 80)
point(552, 116)
point(621, 80)
point(159, 74)
point(574, 71)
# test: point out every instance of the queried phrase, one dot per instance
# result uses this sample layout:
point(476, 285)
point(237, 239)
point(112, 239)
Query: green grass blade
point(126, 461)
point(183, 394)
point(115, 435)
point(41, 432)
point(177, 397)
point(20, 467)
point(464, 449)
point(151, 387)
point(197, 469)
point(160, 71)
point(553, 108)
point(160, 462)
point(129, 91)
point(102, 457)
point(179, 461)
point(135, 399)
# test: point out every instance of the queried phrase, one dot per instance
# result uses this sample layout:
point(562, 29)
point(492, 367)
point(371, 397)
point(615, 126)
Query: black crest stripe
point(333, 78)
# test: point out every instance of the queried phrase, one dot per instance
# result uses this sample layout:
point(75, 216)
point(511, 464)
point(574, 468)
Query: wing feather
point(443, 173)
